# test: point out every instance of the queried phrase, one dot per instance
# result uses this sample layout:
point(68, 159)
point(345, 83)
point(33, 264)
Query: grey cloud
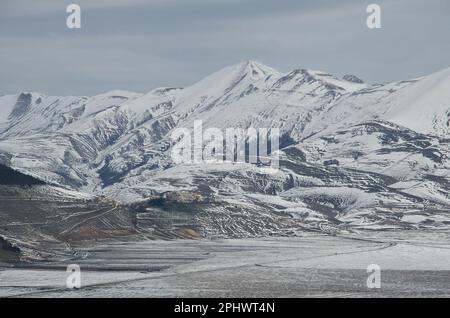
point(138, 45)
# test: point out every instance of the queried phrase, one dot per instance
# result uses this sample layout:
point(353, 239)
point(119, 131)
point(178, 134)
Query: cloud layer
point(139, 45)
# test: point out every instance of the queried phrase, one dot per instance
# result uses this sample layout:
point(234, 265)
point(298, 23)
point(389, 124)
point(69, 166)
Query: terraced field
point(42, 221)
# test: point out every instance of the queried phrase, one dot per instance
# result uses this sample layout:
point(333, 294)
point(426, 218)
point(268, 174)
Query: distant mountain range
point(352, 154)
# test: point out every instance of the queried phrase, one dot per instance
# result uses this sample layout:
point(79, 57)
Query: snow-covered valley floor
point(413, 264)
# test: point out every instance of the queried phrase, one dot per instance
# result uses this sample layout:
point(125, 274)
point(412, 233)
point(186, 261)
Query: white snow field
point(313, 265)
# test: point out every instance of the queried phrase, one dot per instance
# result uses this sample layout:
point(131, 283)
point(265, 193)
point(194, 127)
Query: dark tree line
point(9, 176)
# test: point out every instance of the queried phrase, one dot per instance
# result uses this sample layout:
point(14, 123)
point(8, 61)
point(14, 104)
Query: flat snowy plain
point(413, 264)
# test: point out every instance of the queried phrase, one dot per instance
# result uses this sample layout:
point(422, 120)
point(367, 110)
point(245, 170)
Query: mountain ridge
point(335, 133)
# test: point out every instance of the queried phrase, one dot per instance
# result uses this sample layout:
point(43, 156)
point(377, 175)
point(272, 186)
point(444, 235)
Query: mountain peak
point(228, 78)
point(255, 69)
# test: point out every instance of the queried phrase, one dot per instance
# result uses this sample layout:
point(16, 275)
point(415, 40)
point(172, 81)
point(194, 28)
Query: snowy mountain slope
point(32, 113)
point(422, 105)
point(250, 94)
point(60, 148)
point(245, 95)
point(341, 138)
point(380, 147)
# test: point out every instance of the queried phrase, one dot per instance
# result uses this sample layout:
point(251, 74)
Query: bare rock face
point(22, 105)
point(353, 79)
point(186, 197)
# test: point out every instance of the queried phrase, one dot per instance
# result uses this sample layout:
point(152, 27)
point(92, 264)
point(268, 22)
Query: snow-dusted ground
point(412, 264)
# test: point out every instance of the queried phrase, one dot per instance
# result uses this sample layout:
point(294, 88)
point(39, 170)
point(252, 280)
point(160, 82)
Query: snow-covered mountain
point(365, 155)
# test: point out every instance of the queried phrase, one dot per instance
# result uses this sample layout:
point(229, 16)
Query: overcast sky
point(140, 45)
